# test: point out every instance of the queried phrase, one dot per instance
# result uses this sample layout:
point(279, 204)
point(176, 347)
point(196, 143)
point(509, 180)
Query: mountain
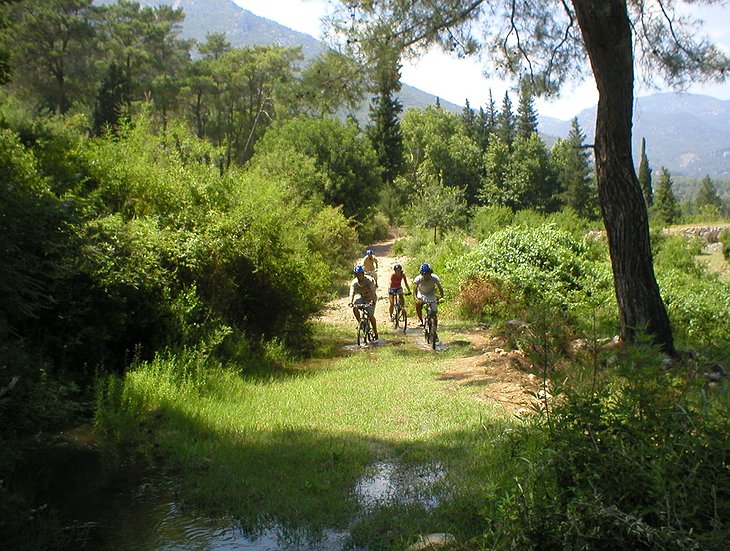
point(689, 134)
point(686, 133)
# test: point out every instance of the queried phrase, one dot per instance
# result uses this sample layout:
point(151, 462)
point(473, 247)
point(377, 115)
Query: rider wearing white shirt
point(425, 286)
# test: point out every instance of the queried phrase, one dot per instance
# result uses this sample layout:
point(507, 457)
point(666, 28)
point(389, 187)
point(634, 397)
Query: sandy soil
point(492, 373)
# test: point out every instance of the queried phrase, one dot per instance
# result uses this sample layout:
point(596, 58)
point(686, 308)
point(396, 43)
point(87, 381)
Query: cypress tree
point(645, 176)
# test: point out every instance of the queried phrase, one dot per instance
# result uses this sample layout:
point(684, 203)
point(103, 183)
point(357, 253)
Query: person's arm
point(441, 289)
point(405, 280)
point(352, 293)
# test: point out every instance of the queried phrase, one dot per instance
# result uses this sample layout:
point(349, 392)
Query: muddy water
point(115, 504)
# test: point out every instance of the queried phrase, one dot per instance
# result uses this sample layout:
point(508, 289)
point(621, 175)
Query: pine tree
point(469, 120)
point(707, 195)
point(645, 176)
point(111, 100)
point(526, 114)
point(505, 122)
point(575, 173)
point(666, 207)
point(384, 131)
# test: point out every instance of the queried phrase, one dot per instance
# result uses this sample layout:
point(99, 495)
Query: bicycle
point(365, 333)
point(400, 316)
point(430, 323)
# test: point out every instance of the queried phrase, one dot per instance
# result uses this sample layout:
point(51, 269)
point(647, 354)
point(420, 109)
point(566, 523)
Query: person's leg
point(375, 325)
point(391, 298)
point(419, 311)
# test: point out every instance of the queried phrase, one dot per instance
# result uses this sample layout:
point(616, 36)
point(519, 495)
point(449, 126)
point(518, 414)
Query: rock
point(432, 541)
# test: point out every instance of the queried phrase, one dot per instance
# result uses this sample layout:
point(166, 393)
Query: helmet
point(426, 268)
point(358, 270)
point(397, 267)
point(369, 251)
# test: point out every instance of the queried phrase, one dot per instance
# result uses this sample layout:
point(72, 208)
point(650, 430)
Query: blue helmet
point(397, 267)
point(426, 268)
point(369, 251)
point(358, 270)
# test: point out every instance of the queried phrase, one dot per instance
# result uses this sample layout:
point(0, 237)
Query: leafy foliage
point(639, 465)
point(542, 267)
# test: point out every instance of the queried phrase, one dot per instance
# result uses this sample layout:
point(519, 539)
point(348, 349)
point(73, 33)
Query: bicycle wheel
point(367, 332)
point(359, 334)
point(403, 321)
point(427, 329)
point(396, 314)
point(434, 338)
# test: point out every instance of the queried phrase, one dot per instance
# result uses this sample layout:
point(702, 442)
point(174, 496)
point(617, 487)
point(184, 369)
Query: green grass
point(291, 447)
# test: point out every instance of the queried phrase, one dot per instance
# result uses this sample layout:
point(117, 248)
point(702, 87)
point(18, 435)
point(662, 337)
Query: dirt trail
point(337, 311)
point(493, 373)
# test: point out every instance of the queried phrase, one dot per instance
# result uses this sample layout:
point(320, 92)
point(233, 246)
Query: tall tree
point(505, 124)
point(384, 131)
point(707, 195)
point(330, 82)
point(526, 114)
point(531, 177)
point(469, 119)
point(111, 100)
point(52, 51)
point(645, 176)
point(571, 162)
point(552, 42)
point(666, 206)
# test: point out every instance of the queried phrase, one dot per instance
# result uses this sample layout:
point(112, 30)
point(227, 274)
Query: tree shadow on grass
point(306, 482)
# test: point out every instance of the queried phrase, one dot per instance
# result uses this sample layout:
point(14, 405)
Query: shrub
point(642, 464)
point(487, 220)
point(542, 267)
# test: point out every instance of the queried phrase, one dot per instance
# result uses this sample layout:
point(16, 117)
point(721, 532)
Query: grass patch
point(290, 449)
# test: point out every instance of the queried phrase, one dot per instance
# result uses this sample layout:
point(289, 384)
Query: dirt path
point(490, 371)
point(337, 311)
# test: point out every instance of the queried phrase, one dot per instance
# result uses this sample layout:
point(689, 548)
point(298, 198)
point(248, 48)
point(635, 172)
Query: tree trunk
point(607, 36)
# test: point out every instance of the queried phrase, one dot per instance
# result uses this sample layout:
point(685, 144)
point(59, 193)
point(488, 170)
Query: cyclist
point(364, 286)
point(370, 264)
point(424, 289)
point(397, 279)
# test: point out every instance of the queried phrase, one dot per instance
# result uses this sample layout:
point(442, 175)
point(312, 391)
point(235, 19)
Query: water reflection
point(148, 517)
point(140, 510)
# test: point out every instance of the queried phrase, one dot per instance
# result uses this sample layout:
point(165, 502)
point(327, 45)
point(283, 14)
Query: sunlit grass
point(292, 446)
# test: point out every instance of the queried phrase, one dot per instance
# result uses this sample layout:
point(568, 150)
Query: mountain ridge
point(689, 134)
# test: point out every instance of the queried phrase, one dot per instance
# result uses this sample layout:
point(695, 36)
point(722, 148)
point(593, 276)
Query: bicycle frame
point(430, 324)
point(365, 333)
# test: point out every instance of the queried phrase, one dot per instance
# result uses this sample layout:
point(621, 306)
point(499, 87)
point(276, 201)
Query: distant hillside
point(689, 134)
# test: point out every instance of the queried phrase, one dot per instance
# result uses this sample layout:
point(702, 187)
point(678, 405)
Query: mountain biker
point(364, 286)
point(370, 264)
point(424, 289)
point(397, 279)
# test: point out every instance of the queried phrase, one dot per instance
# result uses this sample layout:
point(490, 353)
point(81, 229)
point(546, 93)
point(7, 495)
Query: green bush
point(698, 303)
point(487, 220)
point(642, 464)
point(725, 240)
point(541, 267)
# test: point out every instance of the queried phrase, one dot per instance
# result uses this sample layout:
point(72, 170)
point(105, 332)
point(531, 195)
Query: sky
point(457, 80)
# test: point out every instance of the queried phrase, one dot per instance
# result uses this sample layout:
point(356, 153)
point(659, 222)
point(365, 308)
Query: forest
point(174, 216)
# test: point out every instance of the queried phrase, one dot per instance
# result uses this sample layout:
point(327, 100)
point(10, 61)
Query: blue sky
point(456, 80)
